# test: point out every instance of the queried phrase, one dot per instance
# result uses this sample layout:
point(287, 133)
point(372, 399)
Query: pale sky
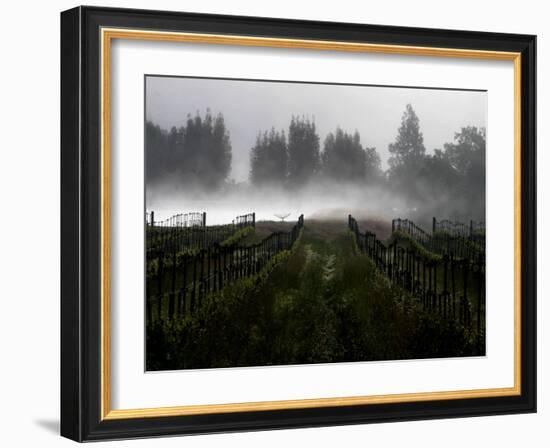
point(252, 106)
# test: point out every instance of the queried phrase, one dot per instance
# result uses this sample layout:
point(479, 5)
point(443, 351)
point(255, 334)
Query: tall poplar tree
point(197, 154)
point(344, 159)
point(269, 159)
point(303, 150)
point(408, 148)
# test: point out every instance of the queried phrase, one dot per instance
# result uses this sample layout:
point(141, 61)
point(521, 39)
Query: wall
point(29, 176)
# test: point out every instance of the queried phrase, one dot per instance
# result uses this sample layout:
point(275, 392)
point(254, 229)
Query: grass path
point(329, 268)
point(329, 244)
point(331, 302)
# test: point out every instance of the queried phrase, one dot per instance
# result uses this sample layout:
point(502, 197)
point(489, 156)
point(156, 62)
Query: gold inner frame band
point(107, 35)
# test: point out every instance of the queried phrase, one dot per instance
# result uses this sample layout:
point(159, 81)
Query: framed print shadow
point(271, 223)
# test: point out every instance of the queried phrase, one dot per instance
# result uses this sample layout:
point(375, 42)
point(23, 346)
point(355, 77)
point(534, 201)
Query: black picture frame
point(81, 224)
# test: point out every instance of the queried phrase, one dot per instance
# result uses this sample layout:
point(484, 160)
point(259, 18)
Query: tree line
point(297, 159)
point(199, 153)
point(454, 174)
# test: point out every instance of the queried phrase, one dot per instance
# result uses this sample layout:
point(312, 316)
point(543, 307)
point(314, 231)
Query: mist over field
point(288, 253)
point(229, 148)
point(333, 201)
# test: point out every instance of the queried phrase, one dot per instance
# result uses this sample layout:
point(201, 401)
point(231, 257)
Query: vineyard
point(185, 263)
point(444, 271)
point(311, 291)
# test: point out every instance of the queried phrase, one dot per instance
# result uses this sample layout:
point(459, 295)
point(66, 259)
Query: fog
point(314, 201)
point(332, 201)
point(251, 107)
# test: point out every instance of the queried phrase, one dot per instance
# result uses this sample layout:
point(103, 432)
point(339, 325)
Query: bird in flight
point(281, 216)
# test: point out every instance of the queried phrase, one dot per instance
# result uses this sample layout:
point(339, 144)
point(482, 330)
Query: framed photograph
point(273, 223)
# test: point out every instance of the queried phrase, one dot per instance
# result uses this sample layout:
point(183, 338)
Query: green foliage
point(238, 236)
point(153, 263)
point(407, 241)
point(435, 337)
point(376, 325)
point(473, 246)
point(305, 325)
point(225, 331)
point(167, 262)
point(319, 302)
